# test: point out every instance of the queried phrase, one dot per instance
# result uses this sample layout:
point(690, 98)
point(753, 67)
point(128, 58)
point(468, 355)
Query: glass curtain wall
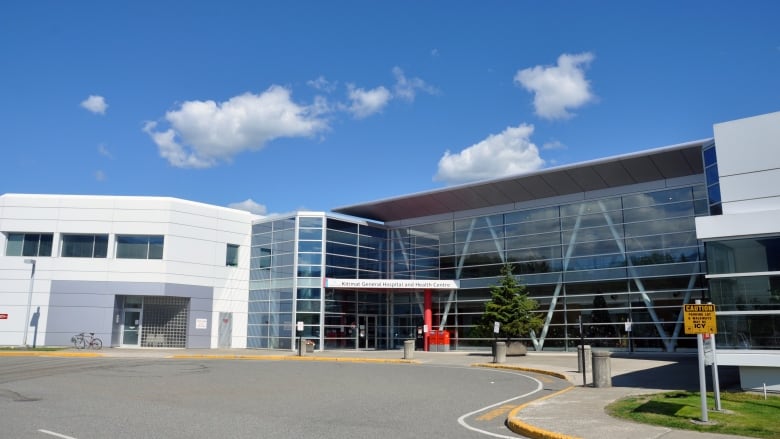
point(745, 286)
point(289, 259)
point(308, 295)
point(352, 318)
point(606, 261)
point(271, 283)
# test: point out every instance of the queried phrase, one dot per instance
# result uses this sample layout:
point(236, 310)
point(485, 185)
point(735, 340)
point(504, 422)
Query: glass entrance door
point(366, 332)
point(131, 327)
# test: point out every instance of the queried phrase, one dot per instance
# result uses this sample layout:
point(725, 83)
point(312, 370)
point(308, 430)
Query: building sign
point(201, 323)
point(3, 316)
point(392, 284)
point(700, 319)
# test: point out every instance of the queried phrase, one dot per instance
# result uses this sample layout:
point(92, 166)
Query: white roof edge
point(333, 215)
point(128, 197)
point(539, 172)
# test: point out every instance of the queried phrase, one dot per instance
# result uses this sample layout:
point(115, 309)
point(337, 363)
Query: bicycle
point(84, 340)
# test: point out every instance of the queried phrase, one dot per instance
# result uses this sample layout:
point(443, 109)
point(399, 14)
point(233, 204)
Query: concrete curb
point(295, 358)
point(523, 369)
point(520, 427)
point(49, 354)
point(530, 431)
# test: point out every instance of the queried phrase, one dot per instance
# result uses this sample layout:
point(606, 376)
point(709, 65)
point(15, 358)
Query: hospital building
point(617, 244)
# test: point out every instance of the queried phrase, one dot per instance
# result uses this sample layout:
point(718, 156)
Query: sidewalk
point(577, 412)
point(631, 375)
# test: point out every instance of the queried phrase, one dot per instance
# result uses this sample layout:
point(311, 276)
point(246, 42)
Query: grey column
point(408, 349)
point(580, 354)
point(602, 369)
point(500, 354)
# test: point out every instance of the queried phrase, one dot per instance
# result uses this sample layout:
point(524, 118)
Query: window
point(84, 246)
point(29, 244)
point(139, 247)
point(231, 257)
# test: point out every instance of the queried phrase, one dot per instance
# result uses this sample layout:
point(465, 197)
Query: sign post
point(712, 361)
point(628, 331)
point(700, 320)
point(496, 328)
point(299, 330)
point(584, 360)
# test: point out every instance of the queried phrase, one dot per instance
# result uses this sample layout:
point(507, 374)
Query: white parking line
point(56, 434)
point(462, 419)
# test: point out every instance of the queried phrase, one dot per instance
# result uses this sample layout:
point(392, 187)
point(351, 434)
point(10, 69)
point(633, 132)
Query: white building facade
point(136, 271)
point(742, 238)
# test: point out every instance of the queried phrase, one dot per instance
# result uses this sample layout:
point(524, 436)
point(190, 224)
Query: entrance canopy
point(393, 284)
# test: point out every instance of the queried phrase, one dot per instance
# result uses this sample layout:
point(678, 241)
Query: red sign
point(3, 316)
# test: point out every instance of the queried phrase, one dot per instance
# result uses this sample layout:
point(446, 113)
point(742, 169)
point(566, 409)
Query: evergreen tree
point(511, 306)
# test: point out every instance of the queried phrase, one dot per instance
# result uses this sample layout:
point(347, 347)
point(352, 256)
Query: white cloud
point(406, 88)
point(508, 153)
point(367, 102)
point(100, 175)
point(560, 88)
point(203, 133)
point(102, 150)
point(553, 144)
point(322, 84)
point(95, 104)
point(250, 206)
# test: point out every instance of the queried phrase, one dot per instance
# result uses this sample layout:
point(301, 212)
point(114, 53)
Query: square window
point(231, 255)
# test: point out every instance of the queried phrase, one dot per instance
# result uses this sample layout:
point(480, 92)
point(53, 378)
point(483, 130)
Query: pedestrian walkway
point(577, 412)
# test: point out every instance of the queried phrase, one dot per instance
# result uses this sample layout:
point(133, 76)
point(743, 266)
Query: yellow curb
point(530, 431)
point(521, 427)
point(294, 358)
point(521, 368)
point(49, 354)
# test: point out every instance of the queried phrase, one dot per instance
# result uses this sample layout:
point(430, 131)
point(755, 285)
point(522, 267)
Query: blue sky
point(277, 106)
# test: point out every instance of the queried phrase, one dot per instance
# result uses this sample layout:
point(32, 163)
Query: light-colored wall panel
point(748, 145)
point(761, 188)
point(738, 225)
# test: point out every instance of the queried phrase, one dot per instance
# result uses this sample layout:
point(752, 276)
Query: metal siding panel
point(538, 187)
point(642, 169)
point(562, 182)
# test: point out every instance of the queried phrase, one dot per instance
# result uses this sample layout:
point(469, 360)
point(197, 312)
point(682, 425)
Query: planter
point(513, 348)
point(516, 348)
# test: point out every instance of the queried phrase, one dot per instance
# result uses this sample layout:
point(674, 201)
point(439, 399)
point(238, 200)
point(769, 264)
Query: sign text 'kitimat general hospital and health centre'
point(393, 284)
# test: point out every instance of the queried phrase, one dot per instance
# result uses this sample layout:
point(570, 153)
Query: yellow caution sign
point(700, 319)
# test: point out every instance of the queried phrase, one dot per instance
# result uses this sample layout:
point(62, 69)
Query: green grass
point(743, 414)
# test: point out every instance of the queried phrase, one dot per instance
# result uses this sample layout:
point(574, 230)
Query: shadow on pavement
point(681, 374)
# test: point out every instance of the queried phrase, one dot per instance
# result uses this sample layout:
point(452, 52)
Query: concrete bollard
point(500, 354)
point(602, 369)
point(588, 362)
point(408, 349)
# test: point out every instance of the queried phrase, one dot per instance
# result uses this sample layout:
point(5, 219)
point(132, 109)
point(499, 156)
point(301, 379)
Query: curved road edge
point(514, 423)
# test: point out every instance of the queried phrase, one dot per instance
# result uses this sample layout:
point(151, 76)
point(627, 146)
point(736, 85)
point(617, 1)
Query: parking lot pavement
point(582, 406)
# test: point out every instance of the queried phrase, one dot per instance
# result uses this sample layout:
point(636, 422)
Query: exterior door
point(131, 327)
point(225, 329)
point(366, 332)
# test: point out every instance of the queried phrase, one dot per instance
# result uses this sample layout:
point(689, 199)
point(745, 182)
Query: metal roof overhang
point(645, 166)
